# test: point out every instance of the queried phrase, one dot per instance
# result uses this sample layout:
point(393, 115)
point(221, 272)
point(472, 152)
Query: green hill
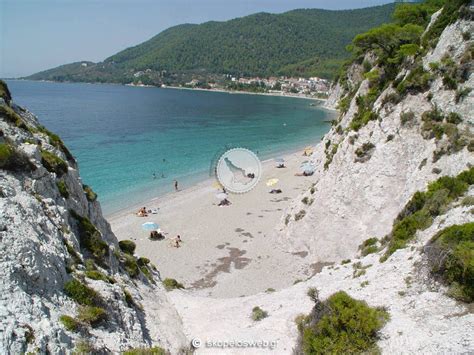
point(302, 42)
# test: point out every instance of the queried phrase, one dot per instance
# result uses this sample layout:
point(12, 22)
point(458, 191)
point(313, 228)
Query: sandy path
point(227, 251)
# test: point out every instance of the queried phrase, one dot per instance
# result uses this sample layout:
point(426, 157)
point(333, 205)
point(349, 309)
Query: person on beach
point(142, 212)
point(154, 176)
point(177, 241)
point(176, 185)
point(224, 202)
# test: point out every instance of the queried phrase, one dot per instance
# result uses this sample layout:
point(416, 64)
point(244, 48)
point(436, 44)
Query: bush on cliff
point(340, 325)
point(419, 212)
point(81, 293)
point(53, 163)
point(451, 257)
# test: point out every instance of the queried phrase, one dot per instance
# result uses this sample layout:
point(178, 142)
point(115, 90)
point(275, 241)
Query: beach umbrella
point(221, 196)
point(280, 160)
point(217, 185)
point(272, 182)
point(150, 226)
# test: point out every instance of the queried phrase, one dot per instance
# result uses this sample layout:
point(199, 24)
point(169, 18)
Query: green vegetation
point(307, 200)
point(70, 323)
point(258, 314)
point(450, 13)
point(369, 246)
point(14, 160)
point(73, 253)
point(90, 194)
point(300, 215)
point(419, 212)
point(92, 315)
point(345, 261)
point(53, 163)
point(81, 293)
point(11, 116)
point(407, 117)
point(145, 351)
point(55, 141)
point(306, 42)
point(172, 284)
point(96, 275)
point(451, 256)
point(340, 325)
point(62, 188)
point(90, 238)
point(130, 264)
point(5, 92)
point(127, 246)
point(364, 152)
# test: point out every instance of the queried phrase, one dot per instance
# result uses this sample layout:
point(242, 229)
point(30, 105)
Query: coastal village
point(313, 87)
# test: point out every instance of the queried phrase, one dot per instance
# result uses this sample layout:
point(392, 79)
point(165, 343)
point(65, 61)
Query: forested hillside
point(306, 42)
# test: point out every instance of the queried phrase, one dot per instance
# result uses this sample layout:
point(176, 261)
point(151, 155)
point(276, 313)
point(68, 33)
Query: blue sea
point(123, 135)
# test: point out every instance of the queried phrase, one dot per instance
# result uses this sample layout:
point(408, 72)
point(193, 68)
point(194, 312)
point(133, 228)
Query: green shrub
point(145, 351)
point(55, 141)
point(14, 160)
point(5, 92)
point(11, 116)
point(172, 284)
point(53, 164)
point(130, 264)
point(417, 81)
point(127, 246)
point(468, 201)
point(90, 194)
point(70, 323)
point(258, 314)
point(453, 118)
point(369, 246)
point(341, 325)
point(345, 261)
point(461, 94)
point(449, 82)
point(92, 315)
point(451, 256)
point(307, 201)
point(73, 253)
point(81, 293)
point(90, 238)
point(62, 188)
point(96, 275)
point(129, 298)
point(364, 151)
point(300, 215)
point(419, 212)
point(407, 117)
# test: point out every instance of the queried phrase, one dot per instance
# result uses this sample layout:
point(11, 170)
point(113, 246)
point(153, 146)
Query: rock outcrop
point(51, 232)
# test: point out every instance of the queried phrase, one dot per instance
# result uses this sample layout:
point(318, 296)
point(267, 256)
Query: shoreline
point(275, 94)
point(208, 181)
point(226, 251)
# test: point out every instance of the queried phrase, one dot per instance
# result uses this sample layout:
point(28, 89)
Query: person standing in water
point(176, 185)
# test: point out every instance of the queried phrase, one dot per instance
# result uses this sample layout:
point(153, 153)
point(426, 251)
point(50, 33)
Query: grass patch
point(55, 141)
point(81, 293)
point(364, 152)
point(258, 314)
point(369, 246)
point(62, 188)
point(90, 238)
point(70, 323)
point(90, 194)
point(300, 215)
point(145, 351)
point(53, 163)
point(14, 160)
point(340, 325)
point(127, 246)
point(172, 284)
point(451, 257)
point(419, 212)
point(92, 315)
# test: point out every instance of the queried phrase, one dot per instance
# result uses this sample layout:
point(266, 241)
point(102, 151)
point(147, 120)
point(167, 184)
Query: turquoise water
point(122, 135)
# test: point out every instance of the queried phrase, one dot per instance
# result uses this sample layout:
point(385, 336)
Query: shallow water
point(122, 135)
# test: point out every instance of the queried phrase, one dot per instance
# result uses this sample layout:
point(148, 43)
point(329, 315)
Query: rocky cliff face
point(56, 248)
point(364, 178)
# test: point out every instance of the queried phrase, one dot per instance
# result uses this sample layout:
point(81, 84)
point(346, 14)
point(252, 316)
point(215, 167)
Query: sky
point(41, 34)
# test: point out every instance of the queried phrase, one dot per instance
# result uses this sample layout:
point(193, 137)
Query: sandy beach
point(226, 251)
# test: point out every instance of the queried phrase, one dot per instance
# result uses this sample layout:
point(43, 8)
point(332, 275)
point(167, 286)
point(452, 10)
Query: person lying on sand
point(276, 191)
point(305, 173)
point(142, 212)
point(156, 235)
point(280, 166)
point(224, 202)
